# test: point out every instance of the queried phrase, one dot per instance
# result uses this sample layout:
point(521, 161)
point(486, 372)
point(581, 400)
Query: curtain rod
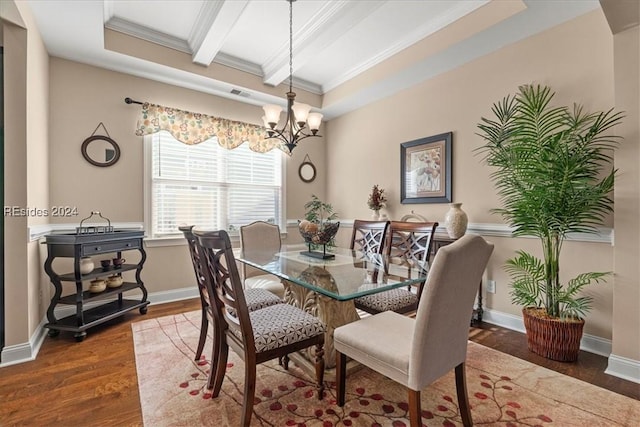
point(131, 101)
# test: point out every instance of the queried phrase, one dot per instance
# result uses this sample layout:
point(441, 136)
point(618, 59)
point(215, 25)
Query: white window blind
point(211, 187)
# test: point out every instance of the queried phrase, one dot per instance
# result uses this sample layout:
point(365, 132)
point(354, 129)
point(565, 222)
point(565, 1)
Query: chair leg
point(221, 366)
point(216, 347)
point(285, 362)
point(204, 326)
point(463, 398)
point(341, 367)
point(249, 392)
point(415, 412)
point(319, 369)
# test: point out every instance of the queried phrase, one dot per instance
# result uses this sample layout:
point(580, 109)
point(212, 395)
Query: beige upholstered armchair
point(416, 352)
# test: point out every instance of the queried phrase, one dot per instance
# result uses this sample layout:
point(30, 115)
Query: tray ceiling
point(346, 53)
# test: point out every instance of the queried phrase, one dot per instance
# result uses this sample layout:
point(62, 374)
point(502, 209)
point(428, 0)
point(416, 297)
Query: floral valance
point(194, 128)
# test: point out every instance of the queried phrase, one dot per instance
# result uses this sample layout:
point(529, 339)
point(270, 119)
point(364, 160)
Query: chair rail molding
point(603, 235)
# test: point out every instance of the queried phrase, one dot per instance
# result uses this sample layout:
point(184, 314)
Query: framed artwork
point(425, 170)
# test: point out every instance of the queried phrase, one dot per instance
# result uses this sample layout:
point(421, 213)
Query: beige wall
point(26, 117)
point(562, 57)
point(82, 96)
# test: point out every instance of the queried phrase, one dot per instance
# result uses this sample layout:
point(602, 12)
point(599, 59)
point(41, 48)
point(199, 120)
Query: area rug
point(503, 390)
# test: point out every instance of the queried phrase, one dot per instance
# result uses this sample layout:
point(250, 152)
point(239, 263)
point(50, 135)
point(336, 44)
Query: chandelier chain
point(290, 46)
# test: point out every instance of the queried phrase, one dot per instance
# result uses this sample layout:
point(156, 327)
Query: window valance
point(194, 128)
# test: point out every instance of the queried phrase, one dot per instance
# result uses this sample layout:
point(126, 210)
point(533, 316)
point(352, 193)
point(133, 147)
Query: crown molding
point(148, 34)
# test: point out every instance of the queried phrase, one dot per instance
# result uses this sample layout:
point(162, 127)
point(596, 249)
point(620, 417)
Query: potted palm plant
point(553, 169)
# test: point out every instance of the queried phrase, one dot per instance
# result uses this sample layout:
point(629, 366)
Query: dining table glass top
point(350, 274)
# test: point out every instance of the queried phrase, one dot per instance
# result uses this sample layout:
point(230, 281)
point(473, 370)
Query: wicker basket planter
point(552, 338)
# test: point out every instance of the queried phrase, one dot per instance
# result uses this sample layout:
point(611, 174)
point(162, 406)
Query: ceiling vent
point(240, 93)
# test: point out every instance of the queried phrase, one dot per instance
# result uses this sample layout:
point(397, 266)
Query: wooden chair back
point(369, 236)
point(411, 242)
point(223, 281)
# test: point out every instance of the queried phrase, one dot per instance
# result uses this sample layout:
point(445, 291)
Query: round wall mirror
point(307, 171)
point(100, 150)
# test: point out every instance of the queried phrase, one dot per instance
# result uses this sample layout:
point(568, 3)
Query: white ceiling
point(335, 42)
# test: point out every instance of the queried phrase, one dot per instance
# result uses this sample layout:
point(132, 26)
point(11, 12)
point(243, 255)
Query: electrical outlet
point(491, 286)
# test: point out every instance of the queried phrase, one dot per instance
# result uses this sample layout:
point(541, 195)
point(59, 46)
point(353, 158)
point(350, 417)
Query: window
point(209, 186)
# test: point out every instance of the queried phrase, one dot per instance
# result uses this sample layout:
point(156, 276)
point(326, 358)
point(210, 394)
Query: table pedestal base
point(333, 313)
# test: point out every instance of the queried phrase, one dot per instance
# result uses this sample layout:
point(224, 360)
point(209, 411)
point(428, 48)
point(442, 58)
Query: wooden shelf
point(95, 316)
point(107, 293)
point(97, 272)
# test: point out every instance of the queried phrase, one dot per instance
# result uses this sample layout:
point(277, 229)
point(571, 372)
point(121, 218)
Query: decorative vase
point(376, 215)
point(86, 265)
point(456, 221)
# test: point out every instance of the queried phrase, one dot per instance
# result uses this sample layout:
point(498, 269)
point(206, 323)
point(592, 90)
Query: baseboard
point(624, 368)
point(25, 352)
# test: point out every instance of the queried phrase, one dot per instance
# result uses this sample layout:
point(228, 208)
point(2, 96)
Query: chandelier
point(298, 114)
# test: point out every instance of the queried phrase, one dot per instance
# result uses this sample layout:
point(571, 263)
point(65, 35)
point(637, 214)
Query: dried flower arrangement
point(377, 198)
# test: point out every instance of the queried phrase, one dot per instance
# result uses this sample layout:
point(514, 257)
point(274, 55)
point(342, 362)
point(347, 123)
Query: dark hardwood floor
point(94, 383)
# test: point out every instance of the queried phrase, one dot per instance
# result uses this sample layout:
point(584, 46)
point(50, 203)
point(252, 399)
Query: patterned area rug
point(503, 390)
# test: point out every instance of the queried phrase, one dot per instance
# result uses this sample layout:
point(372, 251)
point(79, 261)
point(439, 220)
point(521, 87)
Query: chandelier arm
point(305, 136)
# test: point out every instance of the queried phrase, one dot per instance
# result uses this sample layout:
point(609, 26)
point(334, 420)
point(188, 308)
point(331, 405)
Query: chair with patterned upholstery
point(258, 240)
point(265, 334)
point(256, 298)
point(369, 236)
point(408, 243)
point(416, 352)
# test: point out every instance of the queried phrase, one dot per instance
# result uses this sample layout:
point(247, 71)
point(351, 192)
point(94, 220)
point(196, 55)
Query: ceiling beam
point(328, 25)
point(214, 23)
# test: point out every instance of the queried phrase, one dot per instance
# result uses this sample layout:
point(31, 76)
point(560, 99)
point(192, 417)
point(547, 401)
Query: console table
point(109, 303)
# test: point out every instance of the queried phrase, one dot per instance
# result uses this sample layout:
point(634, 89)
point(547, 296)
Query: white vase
point(86, 265)
point(456, 221)
point(375, 216)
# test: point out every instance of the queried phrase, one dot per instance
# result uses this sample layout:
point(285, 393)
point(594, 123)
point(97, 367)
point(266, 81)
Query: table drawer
point(101, 248)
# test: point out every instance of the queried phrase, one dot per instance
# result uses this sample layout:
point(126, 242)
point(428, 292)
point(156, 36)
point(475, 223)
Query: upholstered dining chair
point(369, 236)
point(256, 298)
point(265, 334)
point(260, 239)
point(417, 351)
point(408, 243)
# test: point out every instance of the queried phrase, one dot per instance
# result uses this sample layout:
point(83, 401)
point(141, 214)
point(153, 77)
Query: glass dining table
point(327, 288)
